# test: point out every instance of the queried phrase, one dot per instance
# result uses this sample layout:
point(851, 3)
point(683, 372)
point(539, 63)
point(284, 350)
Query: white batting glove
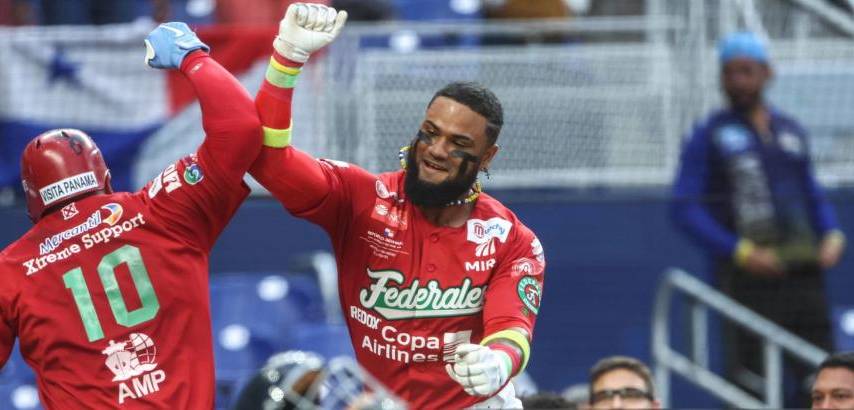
point(306, 28)
point(480, 370)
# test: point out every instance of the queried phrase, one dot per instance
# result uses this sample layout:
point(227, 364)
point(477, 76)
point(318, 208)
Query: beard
point(744, 102)
point(432, 195)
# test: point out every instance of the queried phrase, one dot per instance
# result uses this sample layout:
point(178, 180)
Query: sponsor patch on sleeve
point(529, 291)
point(193, 174)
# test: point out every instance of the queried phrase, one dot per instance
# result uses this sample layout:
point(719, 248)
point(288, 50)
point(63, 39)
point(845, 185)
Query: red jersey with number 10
point(109, 296)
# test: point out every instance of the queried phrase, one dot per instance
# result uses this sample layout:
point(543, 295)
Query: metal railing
point(701, 298)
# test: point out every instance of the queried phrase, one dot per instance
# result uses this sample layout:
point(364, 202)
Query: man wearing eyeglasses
point(620, 382)
point(834, 383)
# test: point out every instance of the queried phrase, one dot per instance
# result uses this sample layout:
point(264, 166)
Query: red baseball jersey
point(109, 296)
point(411, 291)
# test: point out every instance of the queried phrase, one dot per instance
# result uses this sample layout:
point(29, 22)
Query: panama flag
point(94, 78)
point(91, 78)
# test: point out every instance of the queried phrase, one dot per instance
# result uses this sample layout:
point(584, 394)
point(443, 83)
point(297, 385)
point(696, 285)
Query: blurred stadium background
point(597, 102)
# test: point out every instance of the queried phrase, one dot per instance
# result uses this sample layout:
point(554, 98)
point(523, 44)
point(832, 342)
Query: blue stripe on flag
point(119, 150)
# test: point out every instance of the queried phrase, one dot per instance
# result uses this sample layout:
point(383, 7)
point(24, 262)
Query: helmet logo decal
point(73, 142)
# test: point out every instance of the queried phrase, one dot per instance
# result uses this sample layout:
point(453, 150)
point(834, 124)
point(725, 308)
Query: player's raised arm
point(232, 129)
point(199, 193)
point(292, 176)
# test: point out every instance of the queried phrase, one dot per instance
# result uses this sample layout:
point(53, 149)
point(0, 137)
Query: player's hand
point(168, 44)
point(831, 250)
point(480, 370)
point(763, 262)
point(306, 28)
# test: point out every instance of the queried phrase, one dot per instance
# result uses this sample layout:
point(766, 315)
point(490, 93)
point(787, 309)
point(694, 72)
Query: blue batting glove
point(168, 44)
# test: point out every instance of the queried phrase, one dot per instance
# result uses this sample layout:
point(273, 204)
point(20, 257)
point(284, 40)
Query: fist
point(307, 28)
point(480, 370)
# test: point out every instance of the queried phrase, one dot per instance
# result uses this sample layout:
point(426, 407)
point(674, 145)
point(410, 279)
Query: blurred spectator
point(255, 11)
point(746, 192)
point(546, 400)
point(620, 382)
point(82, 12)
point(524, 10)
point(15, 12)
point(366, 10)
point(834, 384)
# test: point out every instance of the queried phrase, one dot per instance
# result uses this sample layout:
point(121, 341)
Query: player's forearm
point(292, 176)
point(275, 98)
point(231, 124)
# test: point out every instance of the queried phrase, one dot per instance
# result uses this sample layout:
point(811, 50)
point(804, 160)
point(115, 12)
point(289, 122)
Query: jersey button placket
point(434, 238)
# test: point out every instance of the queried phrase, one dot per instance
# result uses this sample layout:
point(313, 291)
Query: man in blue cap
point(745, 191)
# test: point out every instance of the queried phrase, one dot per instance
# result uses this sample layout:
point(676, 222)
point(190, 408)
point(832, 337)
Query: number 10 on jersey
point(131, 256)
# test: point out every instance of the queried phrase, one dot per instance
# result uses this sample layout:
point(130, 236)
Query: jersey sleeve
point(319, 190)
point(196, 196)
point(306, 187)
point(687, 210)
point(514, 292)
point(232, 128)
point(193, 200)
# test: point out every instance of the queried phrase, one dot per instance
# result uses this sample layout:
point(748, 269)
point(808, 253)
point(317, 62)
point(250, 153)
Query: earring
point(486, 172)
point(401, 155)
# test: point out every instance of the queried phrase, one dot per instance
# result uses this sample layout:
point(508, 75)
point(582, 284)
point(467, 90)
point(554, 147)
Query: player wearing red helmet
point(59, 166)
point(108, 292)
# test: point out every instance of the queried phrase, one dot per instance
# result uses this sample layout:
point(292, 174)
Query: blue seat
point(328, 340)
point(255, 315)
point(843, 327)
point(19, 396)
point(18, 384)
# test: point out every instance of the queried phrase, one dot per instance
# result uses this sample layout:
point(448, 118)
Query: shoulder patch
point(732, 138)
point(193, 174)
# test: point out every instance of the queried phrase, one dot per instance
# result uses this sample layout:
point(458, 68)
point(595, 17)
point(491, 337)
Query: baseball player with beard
point(440, 283)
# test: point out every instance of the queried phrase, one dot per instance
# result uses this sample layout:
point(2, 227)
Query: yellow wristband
point(274, 138)
point(742, 251)
point(283, 68)
point(515, 337)
point(280, 75)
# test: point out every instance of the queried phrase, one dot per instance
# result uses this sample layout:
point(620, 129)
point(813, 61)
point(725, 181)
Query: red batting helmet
point(59, 165)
